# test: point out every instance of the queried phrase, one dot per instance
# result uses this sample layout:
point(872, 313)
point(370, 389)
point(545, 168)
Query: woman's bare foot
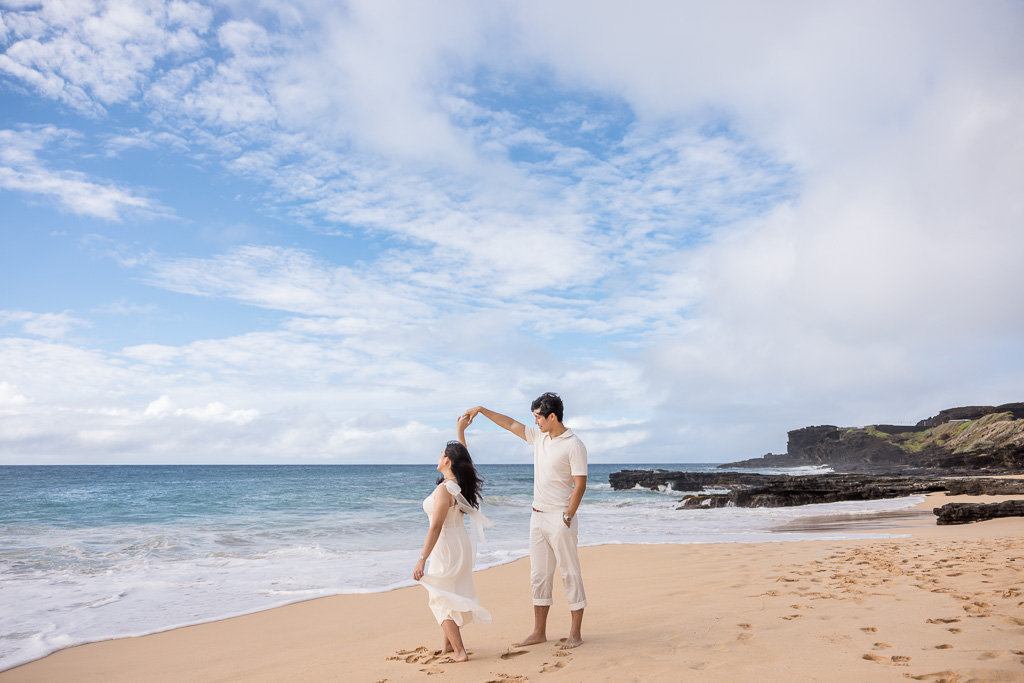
point(532, 639)
point(453, 641)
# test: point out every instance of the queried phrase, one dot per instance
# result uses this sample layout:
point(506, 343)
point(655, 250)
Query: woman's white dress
point(449, 577)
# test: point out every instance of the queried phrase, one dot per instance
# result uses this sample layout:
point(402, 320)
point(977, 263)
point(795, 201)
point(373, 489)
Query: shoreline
point(48, 642)
point(731, 611)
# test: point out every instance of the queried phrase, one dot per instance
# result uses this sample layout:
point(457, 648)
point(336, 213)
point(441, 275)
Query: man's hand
point(503, 421)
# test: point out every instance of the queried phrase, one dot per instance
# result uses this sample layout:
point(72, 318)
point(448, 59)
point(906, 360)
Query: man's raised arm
point(503, 421)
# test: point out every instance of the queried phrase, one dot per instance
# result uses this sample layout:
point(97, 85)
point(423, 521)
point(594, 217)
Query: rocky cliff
point(967, 438)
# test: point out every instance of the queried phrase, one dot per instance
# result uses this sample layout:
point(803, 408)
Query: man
point(559, 481)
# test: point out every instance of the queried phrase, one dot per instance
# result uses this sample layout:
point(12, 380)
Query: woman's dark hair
point(465, 473)
point(548, 403)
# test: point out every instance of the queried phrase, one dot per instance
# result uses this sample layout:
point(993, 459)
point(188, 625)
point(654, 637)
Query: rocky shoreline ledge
point(739, 489)
point(960, 450)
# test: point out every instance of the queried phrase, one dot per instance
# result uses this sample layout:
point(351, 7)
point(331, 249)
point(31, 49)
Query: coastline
point(939, 603)
point(84, 562)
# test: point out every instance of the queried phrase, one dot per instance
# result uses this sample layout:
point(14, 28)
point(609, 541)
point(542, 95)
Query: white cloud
point(164, 407)
point(48, 325)
point(152, 354)
point(289, 280)
point(9, 396)
point(21, 170)
point(93, 54)
point(126, 308)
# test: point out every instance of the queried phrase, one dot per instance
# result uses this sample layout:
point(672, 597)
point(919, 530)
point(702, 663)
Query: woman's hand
point(464, 421)
point(417, 572)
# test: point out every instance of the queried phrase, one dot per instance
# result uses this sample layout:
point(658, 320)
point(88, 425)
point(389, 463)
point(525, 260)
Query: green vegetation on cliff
point(997, 430)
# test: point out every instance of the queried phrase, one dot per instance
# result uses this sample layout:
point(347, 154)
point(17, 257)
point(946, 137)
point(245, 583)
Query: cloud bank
point(702, 225)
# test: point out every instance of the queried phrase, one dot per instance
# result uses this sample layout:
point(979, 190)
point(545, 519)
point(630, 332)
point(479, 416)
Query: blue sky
point(318, 231)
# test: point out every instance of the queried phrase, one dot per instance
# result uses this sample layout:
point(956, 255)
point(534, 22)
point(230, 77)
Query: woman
point(450, 580)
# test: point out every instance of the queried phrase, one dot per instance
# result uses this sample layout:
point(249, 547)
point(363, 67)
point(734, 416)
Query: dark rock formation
point(963, 513)
point(681, 481)
point(784, 491)
point(967, 438)
point(761, 490)
point(813, 444)
point(983, 486)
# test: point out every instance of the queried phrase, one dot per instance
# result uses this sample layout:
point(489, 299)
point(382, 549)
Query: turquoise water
point(95, 552)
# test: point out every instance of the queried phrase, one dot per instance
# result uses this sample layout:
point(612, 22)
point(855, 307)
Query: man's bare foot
point(531, 639)
point(571, 642)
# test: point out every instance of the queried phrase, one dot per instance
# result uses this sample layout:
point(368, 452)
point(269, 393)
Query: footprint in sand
point(869, 629)
point(431, 672)
point(792, 616)
point(548, 668)
point(937, 677)
point(420, 655)
point(978, 609)
point(944, 646)
point(895, 660)
point(882, 646)
point(512, 654)
point(506, 678)
point(952, 620)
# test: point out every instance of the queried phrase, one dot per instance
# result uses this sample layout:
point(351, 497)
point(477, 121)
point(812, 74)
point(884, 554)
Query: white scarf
point(477, 520)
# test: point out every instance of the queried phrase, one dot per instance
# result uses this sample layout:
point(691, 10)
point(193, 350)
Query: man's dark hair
point(548, 403)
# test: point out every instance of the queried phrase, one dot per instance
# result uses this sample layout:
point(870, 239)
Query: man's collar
point(566, 433)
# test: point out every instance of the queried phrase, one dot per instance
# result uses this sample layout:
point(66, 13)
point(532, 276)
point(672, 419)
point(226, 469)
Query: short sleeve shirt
point(555, 462)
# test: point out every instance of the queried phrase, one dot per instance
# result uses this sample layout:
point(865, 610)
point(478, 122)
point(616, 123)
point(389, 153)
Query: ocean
point(90, 553)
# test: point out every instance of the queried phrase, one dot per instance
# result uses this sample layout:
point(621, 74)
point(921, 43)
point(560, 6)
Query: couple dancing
point(559, 481)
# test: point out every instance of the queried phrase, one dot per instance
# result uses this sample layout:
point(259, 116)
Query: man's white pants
point(551, 543)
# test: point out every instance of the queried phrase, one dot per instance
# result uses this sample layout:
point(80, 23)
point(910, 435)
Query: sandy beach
point(939, 604)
